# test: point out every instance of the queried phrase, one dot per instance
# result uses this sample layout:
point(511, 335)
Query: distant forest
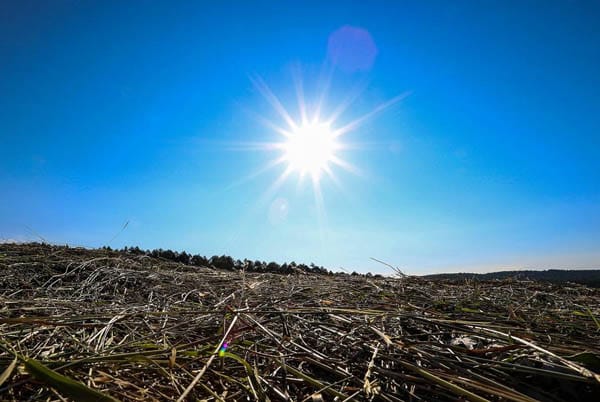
point(590, 277)
point(229, 263)
point(225, 262)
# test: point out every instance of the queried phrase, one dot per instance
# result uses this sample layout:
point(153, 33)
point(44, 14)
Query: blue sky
point(141, 112)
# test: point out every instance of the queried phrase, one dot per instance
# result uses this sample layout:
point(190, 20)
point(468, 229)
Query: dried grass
point(137, 328)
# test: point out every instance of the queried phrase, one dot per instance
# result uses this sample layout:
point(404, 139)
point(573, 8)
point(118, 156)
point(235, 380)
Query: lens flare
point(223, 348)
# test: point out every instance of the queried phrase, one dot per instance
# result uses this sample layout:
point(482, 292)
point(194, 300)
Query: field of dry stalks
point(95, 325)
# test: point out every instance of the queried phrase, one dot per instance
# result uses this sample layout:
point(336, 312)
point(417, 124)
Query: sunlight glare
point(313, 143)
point(310, 148)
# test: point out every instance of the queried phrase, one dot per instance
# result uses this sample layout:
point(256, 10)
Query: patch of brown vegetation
point(139, 328)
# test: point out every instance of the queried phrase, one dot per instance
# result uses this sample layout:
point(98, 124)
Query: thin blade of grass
point(65, 385)
point(8, 371)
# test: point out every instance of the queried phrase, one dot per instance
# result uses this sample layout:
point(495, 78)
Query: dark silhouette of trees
point(222, 262)
point(198, 260)
point(225, 262)
point(589, 277)
point(184, 258)
point(273, 267)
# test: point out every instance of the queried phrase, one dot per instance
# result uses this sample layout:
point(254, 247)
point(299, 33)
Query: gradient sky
point(142, 112)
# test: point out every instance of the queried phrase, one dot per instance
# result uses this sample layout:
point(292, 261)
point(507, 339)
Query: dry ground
point(136, 328)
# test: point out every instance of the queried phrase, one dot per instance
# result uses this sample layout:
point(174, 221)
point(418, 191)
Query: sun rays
point(310, 146)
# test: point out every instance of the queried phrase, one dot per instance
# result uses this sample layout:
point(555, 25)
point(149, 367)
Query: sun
point(310, 148)
point(311, 144)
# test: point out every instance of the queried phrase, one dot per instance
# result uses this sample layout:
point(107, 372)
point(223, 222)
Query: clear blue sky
point(116, 111)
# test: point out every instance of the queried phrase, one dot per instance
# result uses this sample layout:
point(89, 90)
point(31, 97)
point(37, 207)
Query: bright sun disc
point(310, 148)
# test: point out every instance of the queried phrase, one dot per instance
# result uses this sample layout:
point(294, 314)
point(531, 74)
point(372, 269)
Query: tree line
point(589, 277)
point(227, 262)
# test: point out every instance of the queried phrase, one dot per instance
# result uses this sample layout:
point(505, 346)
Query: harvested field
point(74, 322)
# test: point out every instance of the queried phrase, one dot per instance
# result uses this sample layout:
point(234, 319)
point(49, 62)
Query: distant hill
point(590, 277)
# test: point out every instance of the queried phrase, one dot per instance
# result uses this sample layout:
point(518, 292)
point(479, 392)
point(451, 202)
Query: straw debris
point(103, 325)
